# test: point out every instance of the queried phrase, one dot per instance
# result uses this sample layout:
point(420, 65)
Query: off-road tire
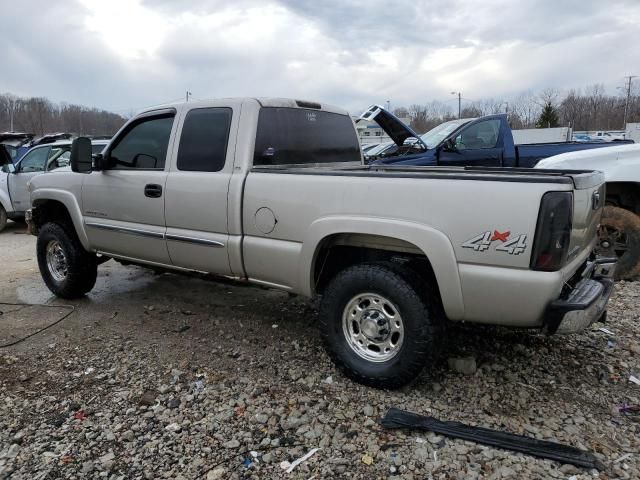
point(417, 305)
point(3, 218)
point(628, 223)
point(82, 267)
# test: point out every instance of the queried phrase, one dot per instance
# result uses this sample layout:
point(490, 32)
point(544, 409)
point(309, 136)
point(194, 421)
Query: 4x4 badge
point(482, 242)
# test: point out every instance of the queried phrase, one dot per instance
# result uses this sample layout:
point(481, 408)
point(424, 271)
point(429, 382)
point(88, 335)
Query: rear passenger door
point(197, 187)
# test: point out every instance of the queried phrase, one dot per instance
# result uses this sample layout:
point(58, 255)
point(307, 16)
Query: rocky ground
point(162, 376)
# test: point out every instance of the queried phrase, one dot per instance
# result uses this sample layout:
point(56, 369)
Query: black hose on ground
point(64, 317)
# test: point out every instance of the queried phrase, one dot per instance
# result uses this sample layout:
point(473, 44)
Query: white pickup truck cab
point(619, 232)
point(273, 192)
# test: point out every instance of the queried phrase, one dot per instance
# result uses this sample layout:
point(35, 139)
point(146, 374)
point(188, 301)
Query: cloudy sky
point(123, 55)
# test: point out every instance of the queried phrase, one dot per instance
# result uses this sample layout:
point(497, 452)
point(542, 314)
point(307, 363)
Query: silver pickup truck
point(273, 192)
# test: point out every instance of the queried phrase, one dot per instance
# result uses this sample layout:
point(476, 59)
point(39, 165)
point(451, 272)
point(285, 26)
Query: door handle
point(153, 190)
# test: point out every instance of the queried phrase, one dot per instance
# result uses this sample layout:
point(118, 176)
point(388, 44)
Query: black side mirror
point(81, 160)
point(449, 145)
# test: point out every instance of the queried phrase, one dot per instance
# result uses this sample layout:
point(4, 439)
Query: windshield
point(437, 134)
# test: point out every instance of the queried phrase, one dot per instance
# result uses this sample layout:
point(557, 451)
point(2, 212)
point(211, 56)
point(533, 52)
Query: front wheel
point(67, 269)
point(619, 236)
point(378, 324)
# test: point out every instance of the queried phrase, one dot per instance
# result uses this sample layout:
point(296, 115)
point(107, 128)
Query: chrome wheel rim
point(56, 261)
point(373, 327)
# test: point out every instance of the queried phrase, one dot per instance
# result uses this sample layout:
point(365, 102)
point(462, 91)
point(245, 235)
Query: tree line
point(39, 116)
point(582, 109)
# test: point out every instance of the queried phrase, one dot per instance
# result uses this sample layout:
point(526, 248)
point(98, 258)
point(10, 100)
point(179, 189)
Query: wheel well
point(624, 195)
point(51, 211)
point(341, 251)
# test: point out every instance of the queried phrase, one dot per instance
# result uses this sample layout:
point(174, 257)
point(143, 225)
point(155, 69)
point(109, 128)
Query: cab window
point(143, 145)
point(203, 142)
point(35, 160)
point(479, 135)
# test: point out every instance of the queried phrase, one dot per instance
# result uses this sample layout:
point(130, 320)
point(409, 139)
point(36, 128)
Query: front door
point(123, 204)
point(197, 188)
point(476, 144)
point(32, 164)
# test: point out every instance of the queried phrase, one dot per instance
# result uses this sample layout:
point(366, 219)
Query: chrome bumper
point(586, 303)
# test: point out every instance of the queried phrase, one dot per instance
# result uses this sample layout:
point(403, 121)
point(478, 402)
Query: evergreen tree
point(548, 117)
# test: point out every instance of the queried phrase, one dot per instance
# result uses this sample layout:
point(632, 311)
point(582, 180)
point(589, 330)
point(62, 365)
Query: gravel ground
point(162, 376)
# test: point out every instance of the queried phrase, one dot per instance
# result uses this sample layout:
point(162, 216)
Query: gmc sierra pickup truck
point(273, 192)
point(483, 141)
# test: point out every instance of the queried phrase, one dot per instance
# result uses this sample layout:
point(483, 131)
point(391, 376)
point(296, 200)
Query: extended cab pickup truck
point(272, 192)
point(483, 141)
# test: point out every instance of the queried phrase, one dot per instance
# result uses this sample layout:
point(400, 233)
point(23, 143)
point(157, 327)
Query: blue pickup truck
point(484, 141)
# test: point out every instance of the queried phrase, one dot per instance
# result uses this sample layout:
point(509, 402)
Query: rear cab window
point(299, 136)
point(204, 138)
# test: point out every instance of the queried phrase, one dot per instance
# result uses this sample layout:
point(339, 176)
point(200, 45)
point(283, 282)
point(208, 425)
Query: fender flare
point(69, 201)
point(435, 245)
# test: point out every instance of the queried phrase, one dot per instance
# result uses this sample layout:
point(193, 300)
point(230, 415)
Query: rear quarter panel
point(455, 215)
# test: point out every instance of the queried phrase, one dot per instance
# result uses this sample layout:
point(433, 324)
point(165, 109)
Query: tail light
point(553, 232)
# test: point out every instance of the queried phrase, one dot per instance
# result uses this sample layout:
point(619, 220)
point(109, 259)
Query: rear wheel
point(3, 218)
point(378, 324)
point(67, 269)
point(619, 236)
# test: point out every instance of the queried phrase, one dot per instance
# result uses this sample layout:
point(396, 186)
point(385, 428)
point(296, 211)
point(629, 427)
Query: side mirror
point(81, 155)
point(9, 168)
point(449, 145)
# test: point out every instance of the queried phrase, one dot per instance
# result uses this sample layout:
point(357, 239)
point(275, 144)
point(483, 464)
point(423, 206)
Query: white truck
point(44, 158)
point(273, 192)
point(619, 233)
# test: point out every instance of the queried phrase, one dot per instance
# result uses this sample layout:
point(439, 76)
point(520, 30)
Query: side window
point(144, 145)
point(203, 142)
point(480, 135)
point(35, 160)
point(58, 157)
point(304, 136)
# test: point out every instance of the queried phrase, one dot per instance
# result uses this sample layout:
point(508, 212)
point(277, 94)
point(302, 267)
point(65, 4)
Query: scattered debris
point(623, 458)
point(634, 379)
point(367, 459)
point(464, 365)
point(288, 467)
point(396, 418)
point(605, 330)
point(183, 328)
point(79, 415)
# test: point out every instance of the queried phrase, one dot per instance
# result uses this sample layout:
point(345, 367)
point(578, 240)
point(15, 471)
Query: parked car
point(607, 136)
point(14, 179)
point(485, 141)
point(619, 233)
point(583, 137)
point(272, 192)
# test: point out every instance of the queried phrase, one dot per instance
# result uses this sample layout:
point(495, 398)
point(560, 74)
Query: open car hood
point(15, 139)
point(397, 130)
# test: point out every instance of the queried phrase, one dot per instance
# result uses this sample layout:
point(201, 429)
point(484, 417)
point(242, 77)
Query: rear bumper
point(586, 302)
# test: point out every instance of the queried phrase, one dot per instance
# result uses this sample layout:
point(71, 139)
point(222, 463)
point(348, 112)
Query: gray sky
point(127, 54)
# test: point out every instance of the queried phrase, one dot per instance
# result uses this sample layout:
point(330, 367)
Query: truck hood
point(15, 139)
point(397, 130)
point(620, 163)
